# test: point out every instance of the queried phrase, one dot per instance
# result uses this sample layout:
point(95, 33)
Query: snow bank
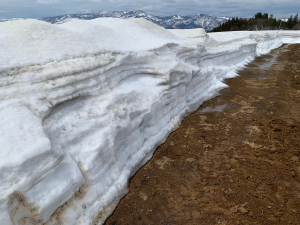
point(84, 104)
point(190, 33)
point(266, 40)
point(198, 34)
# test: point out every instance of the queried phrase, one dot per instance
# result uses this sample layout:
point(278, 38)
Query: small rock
point(190, 159)
point(246, 203)
point(250, 213)
point(234, 209)
point(242, 209)
point(247, 176)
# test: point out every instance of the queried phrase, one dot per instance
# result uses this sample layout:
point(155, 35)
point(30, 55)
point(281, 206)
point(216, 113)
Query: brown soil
point(234, 161)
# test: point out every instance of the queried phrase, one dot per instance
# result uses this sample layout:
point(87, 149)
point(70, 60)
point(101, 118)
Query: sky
point(232, 8)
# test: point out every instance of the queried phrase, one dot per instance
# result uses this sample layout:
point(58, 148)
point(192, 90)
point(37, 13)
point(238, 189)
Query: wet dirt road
point(234, 161)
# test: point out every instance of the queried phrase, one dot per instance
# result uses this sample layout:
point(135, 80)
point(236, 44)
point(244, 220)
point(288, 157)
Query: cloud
point(147, 7)
point(87, 0)
point(46, 1)
point(239, 8)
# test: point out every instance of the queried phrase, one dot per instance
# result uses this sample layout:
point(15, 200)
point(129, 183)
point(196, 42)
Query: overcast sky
point(241, 8)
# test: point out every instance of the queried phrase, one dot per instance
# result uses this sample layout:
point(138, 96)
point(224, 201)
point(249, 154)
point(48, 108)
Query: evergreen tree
point(290, 22)
point(259, 22)
point(295, 21)
point(258, 15)
point(296, 18)
point(274, 23)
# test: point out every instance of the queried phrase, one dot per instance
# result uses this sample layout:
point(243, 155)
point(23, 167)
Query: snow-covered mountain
point(4, 20)
point(169, 22)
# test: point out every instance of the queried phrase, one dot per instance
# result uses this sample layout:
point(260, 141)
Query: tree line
point(260, 21)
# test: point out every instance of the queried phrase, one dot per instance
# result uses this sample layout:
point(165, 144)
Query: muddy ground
point(234, 161)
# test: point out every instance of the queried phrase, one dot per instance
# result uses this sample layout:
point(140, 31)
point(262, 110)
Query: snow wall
point(84, 104)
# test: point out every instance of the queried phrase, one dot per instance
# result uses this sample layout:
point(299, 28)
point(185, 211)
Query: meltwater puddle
point(269, 62)
point(210, 109)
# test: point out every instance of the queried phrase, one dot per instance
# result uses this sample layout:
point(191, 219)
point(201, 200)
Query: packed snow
point(84, 105)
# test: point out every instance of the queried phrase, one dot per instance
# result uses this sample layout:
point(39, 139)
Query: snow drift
point(84, 104)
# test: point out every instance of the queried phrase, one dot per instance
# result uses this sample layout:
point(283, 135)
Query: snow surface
point(189, 33)
point(84, 104)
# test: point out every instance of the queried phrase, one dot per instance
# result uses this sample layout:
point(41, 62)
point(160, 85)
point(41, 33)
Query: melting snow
point(84, 104)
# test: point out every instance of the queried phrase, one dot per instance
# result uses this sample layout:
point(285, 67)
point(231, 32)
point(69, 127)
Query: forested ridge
point(259, 22)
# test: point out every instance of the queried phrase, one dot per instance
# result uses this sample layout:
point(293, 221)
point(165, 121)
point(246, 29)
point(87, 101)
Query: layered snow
point(190, 33)
point(84, 104)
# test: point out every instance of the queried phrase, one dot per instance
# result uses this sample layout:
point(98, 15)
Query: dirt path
point(234, 161)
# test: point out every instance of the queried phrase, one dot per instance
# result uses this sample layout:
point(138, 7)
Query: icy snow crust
point(84, 104)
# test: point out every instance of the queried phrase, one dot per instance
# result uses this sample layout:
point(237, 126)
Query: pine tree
point(290, 22)
point(274, 23)
point(259, 22)
point(258, 15)
point(295, 21)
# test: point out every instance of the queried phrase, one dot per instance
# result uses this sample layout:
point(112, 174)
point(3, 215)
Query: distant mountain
point(3, 20)
point(168, 22)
